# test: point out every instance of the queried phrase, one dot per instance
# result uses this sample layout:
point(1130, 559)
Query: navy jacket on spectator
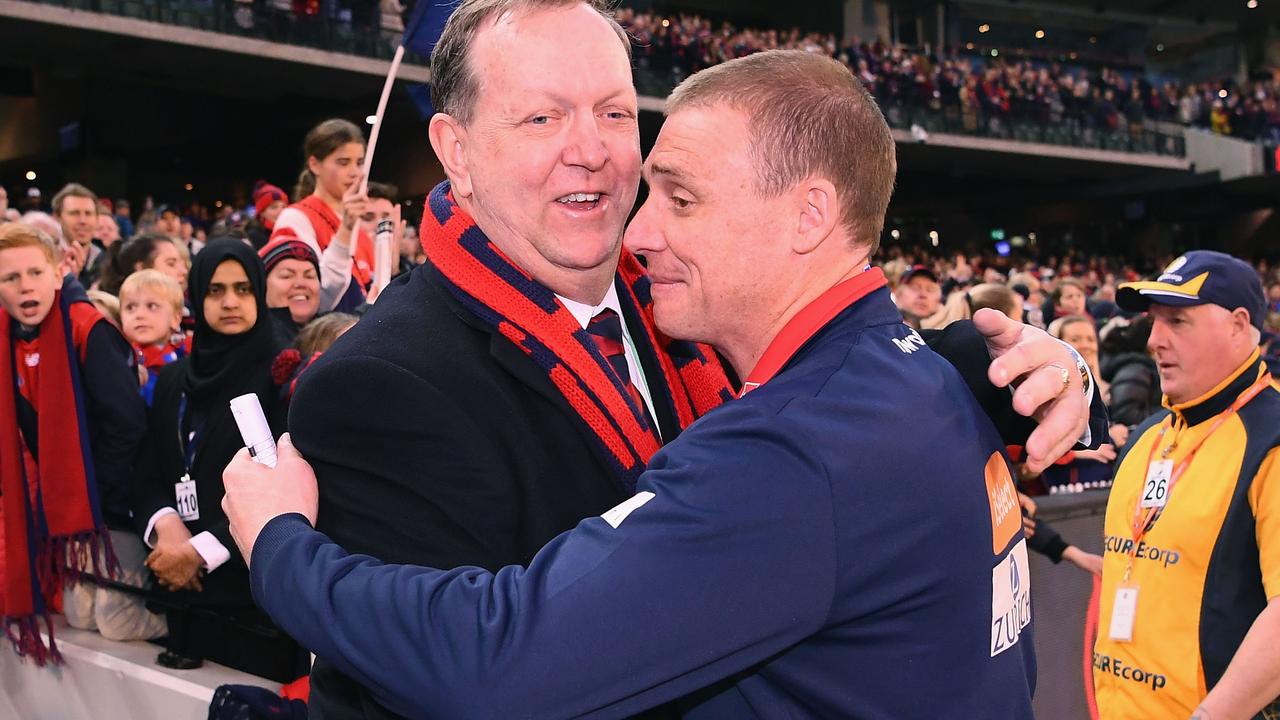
point(780, 559)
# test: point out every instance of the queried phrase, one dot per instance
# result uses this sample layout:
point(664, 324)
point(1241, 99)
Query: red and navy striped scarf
point(53, 519)
point(528, 314)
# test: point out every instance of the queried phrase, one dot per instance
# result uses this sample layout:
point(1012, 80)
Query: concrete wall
point(1232, 158)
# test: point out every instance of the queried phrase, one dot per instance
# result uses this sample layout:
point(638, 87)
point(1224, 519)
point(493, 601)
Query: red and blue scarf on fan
point(528, 314)
point(155, 357)
point(52, 518)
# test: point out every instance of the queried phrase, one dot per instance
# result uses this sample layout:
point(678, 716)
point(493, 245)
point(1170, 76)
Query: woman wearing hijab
point(191, 438)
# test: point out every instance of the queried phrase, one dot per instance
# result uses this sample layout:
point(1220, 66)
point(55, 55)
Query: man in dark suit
point(471, 416)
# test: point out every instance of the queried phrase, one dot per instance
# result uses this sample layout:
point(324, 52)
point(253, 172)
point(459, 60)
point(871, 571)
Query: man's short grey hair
point(45, 223)
point(808, 117)
point(454, 85)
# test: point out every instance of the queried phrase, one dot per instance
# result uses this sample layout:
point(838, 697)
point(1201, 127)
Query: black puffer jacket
point(1135, 387)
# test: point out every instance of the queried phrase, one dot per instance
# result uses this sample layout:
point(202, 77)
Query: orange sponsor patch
point(1006, 518)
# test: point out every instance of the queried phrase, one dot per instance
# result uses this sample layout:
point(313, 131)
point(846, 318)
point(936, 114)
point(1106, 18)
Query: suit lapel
point(520, 366)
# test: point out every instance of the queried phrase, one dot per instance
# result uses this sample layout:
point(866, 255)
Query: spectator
point(192, 436)
point(1068, 298)
point(151, 317)
point(293, 284)
point(71, 427)
point(107, 304)
point(918, 295)
point(123, 220)
point(995, 296)
point(4, 204)
point(1089, 468)
point(76, 209)
point(34, 201)
point(1077, 331)
point(314, 339)
point(1132, 374)
point(168, 222)
point(1046, 540)
point(268, 202)
point(108, 231)
point(383, 205)
point(148, 251)
point(325, 217)
point(411, 253)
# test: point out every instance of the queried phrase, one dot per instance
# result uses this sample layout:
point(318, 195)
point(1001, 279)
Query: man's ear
point(1240, 321)
point(448, 140)
point(817, 213)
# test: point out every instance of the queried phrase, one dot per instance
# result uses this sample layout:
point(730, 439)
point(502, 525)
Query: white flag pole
point(377, 119)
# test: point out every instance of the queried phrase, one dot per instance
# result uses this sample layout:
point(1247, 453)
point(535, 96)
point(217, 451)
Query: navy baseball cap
point(917, 270)
point(1198, 278)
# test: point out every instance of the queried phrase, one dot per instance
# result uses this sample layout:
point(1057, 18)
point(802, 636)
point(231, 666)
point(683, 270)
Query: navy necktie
point(606, 329)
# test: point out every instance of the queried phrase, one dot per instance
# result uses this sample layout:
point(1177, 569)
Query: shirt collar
point(1220, 398)
point(583, 312)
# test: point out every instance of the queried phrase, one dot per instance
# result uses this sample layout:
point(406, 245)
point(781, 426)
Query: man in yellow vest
point(1190, 620)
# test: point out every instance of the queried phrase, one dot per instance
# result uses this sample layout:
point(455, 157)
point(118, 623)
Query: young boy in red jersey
point(71, 422)
point(151, 319)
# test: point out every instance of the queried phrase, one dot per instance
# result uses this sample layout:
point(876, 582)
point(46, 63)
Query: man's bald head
point(454, 84)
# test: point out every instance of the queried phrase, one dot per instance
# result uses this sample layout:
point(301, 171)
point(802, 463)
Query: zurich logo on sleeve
point(1010, 599)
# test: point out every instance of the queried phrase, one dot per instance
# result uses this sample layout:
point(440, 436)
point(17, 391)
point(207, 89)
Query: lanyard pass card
point(187, 500)
point(1123, 612)
point(1155, 490)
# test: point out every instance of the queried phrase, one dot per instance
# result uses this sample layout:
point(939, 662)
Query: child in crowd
point(151, 306)
point(71, 424)
point(314, 339)
point(107, 304)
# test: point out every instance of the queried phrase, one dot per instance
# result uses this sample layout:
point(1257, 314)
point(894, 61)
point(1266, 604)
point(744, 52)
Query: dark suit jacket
point(438, 442)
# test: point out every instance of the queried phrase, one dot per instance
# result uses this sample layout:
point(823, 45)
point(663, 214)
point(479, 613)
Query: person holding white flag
point(331, 200)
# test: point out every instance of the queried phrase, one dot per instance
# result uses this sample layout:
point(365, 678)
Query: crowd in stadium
point(129, 329)
point(143, 272)
point(976, 89)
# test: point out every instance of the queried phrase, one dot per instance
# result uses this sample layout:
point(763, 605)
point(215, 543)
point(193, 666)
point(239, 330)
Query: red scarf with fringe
point(530, 316)
point(53, 518)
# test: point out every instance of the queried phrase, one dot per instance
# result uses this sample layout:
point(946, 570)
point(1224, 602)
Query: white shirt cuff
point(210, 550)
point(149, 537)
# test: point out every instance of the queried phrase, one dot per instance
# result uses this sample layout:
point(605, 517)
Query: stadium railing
point(331, 28)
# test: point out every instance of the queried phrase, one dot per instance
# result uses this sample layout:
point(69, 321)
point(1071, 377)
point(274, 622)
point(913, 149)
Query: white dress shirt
point(583, 314)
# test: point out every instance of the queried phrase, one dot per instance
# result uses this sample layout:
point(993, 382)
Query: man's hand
point(1030, 360)
point(257, 493)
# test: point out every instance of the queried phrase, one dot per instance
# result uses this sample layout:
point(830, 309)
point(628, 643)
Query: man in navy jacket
point(843, 540)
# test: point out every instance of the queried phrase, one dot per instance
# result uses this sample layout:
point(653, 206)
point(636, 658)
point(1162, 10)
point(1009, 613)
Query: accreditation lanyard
point(1144, 518)
point(806, 323)
point(189, 443)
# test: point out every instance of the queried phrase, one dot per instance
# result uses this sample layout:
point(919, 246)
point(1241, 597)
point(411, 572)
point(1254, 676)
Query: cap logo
point(1170, 273)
